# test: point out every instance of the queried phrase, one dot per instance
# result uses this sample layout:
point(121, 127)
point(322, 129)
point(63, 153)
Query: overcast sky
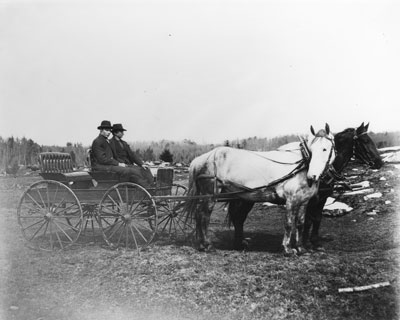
point(201, 70)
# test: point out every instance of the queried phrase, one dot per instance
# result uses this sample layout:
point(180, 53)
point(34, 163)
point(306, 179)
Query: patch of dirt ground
point(172, 280)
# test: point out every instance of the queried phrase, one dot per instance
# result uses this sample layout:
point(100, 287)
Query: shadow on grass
point(223, 240)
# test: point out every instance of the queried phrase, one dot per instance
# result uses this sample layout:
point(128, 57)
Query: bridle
point(332, 174)
point(329, 170)
point(306, 152)
point(362, 156)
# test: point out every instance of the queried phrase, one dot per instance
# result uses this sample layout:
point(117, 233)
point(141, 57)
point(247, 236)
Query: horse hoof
point(210, 249)
point(301, 250)
point(326, 238)
point(319, 248)
point(307, 246)
point(290, 252)
point(206, 248)
point(241, 245)
point(245, 245)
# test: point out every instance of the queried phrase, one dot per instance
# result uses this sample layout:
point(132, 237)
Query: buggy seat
point(58, 166)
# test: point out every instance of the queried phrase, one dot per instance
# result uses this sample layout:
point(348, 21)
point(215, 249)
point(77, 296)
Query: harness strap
point(305, 151)
point(276, 161)
point(302, 164)
point(331, 176)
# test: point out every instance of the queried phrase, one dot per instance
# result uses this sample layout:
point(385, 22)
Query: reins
point(279, 162)
point(302, 164)
point(329, 170)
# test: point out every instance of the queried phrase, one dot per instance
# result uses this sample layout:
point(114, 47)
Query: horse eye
point(324, 149)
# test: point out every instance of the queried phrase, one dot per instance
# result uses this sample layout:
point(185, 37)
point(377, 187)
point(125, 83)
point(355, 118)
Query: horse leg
point(300, 217)
point(202, 223)
point(289, 226)
point(238, 211)
point(309, 218)
point(316, 222)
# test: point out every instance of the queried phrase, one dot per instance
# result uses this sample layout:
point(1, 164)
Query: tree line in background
point(16, 152)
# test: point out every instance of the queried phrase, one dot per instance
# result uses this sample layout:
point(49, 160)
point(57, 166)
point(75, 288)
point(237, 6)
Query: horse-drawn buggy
point(55, 211)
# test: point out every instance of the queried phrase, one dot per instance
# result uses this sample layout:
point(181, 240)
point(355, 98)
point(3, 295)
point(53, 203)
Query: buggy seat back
point(55, 162)
point(59, 166)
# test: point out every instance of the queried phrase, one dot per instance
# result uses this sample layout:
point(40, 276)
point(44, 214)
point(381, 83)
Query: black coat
point(123, 153)
point(102, 152)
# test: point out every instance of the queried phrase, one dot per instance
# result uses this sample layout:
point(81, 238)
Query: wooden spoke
point(172, 219)
point(40, 196)
point(127, 214)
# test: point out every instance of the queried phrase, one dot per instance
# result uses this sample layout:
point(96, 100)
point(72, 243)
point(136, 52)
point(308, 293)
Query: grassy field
point(172, 280)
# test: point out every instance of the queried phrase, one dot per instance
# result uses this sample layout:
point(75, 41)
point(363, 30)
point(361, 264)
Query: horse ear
point(327, 130)
point(366, 127)
point(312, 130)
point(360, 129)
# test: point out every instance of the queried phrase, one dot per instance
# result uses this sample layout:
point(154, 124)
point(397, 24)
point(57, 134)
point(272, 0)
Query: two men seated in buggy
point(115, 155)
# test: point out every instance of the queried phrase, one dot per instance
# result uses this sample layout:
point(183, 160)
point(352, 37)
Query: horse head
point(365, 149)
point(322, 149)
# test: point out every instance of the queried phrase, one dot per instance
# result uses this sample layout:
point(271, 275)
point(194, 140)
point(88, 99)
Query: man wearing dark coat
point(121, 149)
point(123, 153)
point(104, 158)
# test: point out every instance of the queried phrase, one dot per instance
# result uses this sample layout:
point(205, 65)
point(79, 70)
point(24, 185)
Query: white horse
point(288, 176)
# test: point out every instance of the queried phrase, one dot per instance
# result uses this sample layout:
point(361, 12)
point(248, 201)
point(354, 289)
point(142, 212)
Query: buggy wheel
point(172, 219)
point(50, 216)
point(127, 216)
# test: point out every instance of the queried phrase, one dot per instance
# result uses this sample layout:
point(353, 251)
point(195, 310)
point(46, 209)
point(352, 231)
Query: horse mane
point(344, 133)
point(321, 133)
point(347, 130)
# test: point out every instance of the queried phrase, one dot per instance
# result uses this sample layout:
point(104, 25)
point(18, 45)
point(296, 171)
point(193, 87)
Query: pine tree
point(166, 156)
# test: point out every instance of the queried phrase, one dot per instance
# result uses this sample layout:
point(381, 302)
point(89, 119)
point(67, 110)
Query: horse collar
point(305, 151)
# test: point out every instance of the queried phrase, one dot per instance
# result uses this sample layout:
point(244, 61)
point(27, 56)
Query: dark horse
point(350, 142)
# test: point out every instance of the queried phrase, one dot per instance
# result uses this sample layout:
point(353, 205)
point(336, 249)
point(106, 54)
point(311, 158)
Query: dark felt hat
point(117, 127)
point(105, 124)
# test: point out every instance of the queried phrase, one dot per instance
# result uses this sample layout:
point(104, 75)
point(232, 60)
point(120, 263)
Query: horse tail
point(191, 202)
point(228, 218)
point(199, 167)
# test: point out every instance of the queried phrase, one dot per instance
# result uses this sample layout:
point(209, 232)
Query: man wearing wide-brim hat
point(101, 150)
point(123, 153)
point(104, 159)
point(121, 149)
